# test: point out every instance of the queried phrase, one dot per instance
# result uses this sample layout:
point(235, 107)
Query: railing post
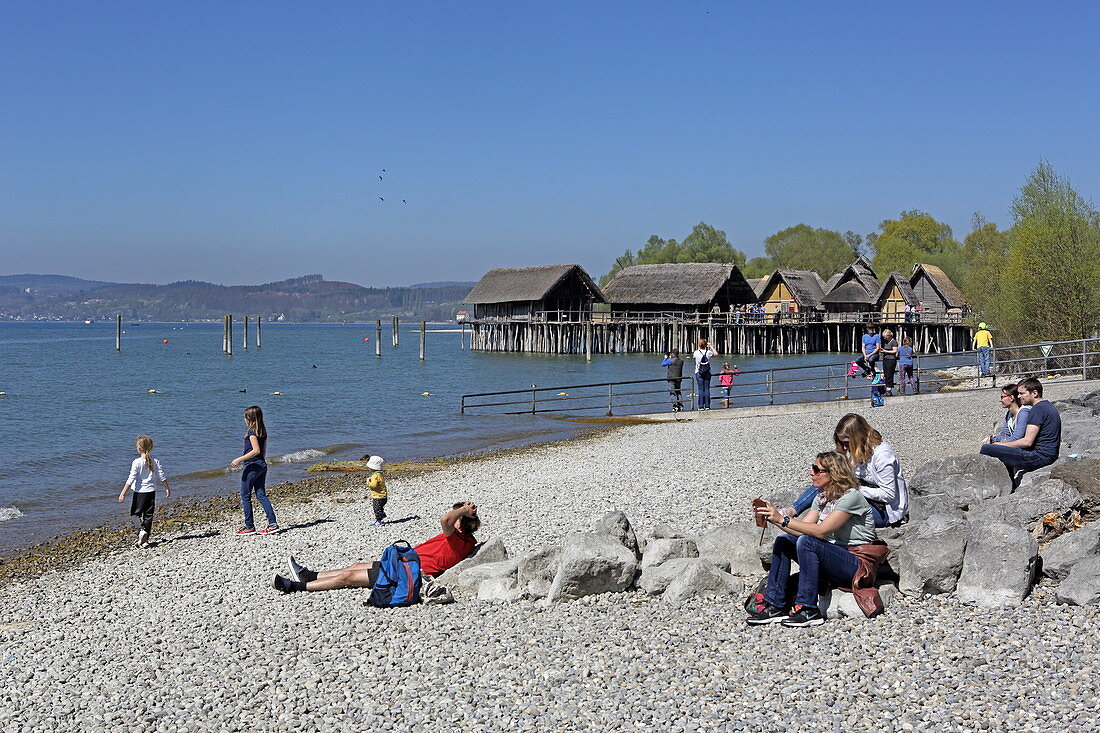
point(1084, 359)
point(610, 399)
point(533, 398)
point(771, 387)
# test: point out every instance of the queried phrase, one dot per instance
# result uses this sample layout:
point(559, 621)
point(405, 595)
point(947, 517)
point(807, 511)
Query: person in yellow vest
point(376, 482)
point(983, 342)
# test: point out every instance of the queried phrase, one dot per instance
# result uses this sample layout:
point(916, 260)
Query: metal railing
point(1075, 360)
point(729, 318)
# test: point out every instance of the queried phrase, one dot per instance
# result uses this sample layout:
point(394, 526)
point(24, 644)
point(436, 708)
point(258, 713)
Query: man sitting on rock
point(438, 554)
point(1042, 439)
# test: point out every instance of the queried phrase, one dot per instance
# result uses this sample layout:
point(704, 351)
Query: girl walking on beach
point(145, 473)
point(254, 477)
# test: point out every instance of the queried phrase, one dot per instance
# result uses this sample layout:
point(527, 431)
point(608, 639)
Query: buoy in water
point(425, 394)
point(242, 391)
point(366, 339)
point(563, 394)
point(164, 341)
point(276, 394)
point(153, 391)
point(3, 394)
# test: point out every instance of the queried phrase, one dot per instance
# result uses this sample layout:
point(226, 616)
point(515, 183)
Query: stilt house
point(689, 287)
point(935, 291)
point(852, 290)
point(792, 291)
point(541, 293)
point(893, 296)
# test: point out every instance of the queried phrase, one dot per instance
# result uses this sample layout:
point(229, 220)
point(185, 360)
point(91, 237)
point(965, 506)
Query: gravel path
point(190, 636)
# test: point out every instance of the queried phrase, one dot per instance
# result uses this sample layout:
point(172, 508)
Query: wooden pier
point(792, 336)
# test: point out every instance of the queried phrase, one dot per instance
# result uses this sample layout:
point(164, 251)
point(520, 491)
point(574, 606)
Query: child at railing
point(725, 380)
point(906, 364)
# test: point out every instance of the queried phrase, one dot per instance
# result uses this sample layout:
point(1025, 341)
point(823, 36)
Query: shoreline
point(188, 516)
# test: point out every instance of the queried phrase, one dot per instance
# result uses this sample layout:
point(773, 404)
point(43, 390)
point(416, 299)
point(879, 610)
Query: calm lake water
point(74, 406)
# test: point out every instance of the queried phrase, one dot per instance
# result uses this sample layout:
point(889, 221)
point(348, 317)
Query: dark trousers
point(867, 363)
point(889, 366)
point(675, 393)
point(379, 506)
point(142, 507)
point(817, 560)
point(254, 480)
point(1015, 459)
point(702, 389)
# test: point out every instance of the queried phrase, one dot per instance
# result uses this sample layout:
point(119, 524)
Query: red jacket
point(871, 556)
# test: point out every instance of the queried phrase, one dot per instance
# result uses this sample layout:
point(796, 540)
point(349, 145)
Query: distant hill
point(445, 284)
point(51, 284)
point(309, 298)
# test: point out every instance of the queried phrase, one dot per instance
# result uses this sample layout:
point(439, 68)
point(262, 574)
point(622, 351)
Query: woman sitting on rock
point(1015, 424)
point(877, 468)
point(836, 542)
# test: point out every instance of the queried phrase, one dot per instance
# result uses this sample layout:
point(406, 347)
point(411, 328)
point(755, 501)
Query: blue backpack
point(398, 582)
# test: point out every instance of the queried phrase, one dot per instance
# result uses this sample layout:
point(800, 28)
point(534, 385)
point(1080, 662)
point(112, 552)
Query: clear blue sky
point(242, 141)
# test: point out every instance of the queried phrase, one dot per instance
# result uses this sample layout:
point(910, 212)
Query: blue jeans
point(254, 479)
point(983, 360)
point(1016, 458)
point(807, 499)
point(816, 559)
point(702, 389)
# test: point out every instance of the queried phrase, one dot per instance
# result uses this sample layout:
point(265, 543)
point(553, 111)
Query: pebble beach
point(190, 636)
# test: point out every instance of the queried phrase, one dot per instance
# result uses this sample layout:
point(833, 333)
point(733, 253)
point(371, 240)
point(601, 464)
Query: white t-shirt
point(698, 355)
point(142, 479)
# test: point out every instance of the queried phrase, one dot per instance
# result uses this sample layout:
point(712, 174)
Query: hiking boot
point(767, 615)
point(295, 569)
point(270, 529)
point(283, 585)
point(804, 616)
point(245, 530)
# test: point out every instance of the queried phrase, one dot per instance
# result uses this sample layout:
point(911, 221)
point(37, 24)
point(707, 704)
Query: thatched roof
point(849, 292)
point(519, 284)
point(756, 283)
point(863, 263)
point(805, 286)
point(896, 278)
point(941, 282)
point(687, 283)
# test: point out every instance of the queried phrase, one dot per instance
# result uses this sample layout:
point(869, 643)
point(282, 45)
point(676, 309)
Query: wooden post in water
point(395, 327)
point(118, 332)
point(229, 334)
point(588, 341)
point(259, 338)
point(225, 335)
point(423, 338)
point(462, 336)
point(378, 338)
point(244, 341)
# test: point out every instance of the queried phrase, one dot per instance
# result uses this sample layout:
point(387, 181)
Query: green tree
point(802, 247)
point(758, 267)
point(985, 257)
point(1054, 261)
point(704, 244)
point(915, 237)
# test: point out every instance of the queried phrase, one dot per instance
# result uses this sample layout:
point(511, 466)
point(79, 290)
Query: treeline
point(1037, 280)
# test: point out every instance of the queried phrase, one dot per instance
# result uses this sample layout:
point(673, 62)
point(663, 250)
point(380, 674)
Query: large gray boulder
point(663, 530)
point(540, 565)
point(700, 578)
point(923, 507)
point(998, 565)
point(1029, 504)
point(499, 589)
point(1080, 432)
point(490, 551)
point(592, 563)
point(655, 579)
point(1082, 586)
point(964, 480)
point(471, 579)
point(1082, 474)
point(1065, 551)
point(736, 544)
point(615, 524)
point(661, 550)
point(932, 557)
point(839, 603)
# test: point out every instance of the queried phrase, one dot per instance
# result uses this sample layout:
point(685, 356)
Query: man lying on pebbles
point(437, 555)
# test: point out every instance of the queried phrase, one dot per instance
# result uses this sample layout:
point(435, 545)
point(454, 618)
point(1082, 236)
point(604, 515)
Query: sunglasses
point(818, 469)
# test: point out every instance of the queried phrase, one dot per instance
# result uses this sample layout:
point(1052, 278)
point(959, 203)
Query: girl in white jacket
point(145, 474)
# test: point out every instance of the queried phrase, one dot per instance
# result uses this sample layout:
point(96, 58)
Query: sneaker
point(1017, 476)
point(295, 569)
point(804, 616)
point(143, 539)
point(282, 584)
point(245, 530)
point(379, 523)
point(270, 529)
point(767, 615)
